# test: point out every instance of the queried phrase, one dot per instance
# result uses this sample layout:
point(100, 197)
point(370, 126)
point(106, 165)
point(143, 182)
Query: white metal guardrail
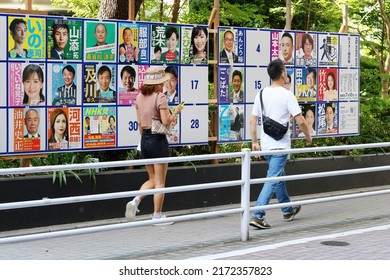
point(244, 183)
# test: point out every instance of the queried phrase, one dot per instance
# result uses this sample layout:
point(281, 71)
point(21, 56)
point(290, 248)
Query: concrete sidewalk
point(343, 230)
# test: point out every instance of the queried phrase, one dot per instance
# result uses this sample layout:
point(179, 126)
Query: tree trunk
point(386, 64)
point(117, 9)
point(288, 15)
point(175, 10)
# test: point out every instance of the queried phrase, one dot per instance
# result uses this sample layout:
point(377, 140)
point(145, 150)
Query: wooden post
point(131, 9)
point(213, 26)
point(344, 25)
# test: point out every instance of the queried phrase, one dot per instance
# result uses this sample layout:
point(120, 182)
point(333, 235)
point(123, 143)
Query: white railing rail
point(244, 183)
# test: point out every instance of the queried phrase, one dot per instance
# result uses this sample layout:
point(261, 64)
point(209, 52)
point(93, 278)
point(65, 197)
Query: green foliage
point(63, 159)
point(79, 8)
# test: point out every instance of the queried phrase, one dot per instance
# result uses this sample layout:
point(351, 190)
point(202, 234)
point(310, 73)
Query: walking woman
point(153, 145)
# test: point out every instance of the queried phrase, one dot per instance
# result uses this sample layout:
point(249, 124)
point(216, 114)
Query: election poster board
point(323, 74)
point(71, 83)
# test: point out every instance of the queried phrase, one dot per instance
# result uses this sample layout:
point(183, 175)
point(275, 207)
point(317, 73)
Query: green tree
point(371, 20)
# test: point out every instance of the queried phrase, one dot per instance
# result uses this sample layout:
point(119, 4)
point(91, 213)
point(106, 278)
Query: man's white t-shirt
point(279, 104)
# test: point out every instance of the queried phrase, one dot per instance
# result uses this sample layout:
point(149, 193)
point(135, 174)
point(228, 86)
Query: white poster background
point(255, 79)
point(194, 84)
point(3, 128)
point(3, 47)
point(194, 124)
point(3, 85)
point(257, 48)
point(128, 130)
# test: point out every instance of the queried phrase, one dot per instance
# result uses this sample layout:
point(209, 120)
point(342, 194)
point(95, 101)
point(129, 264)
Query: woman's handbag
point(270, 126)
point(157, 126)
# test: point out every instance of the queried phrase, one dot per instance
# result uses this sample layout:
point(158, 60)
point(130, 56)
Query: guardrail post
point(245, 193)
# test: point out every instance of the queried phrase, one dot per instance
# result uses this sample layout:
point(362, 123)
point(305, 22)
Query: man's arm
point(304, 127)
point(253, 131)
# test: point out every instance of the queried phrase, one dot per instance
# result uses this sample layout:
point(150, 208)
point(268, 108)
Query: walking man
point(279, 103)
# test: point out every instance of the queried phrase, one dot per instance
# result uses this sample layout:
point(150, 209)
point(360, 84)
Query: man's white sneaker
point(131, 210)
point(163, 217)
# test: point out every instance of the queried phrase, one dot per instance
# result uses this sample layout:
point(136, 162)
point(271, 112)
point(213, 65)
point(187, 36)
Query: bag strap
point(261, 102)
point(155, 108)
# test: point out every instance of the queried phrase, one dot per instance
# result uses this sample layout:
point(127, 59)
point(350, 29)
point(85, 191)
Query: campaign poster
point(327, 84)
point(64, 128)
point(349, 117)
point(306, 84)
point(328, 50)
point(99, 41)
point(258, 47)
point(171, 86)
point(289, 84)
point(26, 84)
point(349, 84)
point(194, 45)
point(349, 51)
point(99, 127)
point(174, 138)
point(309, 113)
point(64, 81)
point(231, 42)
point(165, 45)
point(100, 83)
point(3, 38)
point(231, 122)
point(26, 38)
point(286, 47)
point(327, 118)
point(236, 85)
point(306, 49)
point(27, 129)
point(128, 48)
point(129, 87)
point(64, 39)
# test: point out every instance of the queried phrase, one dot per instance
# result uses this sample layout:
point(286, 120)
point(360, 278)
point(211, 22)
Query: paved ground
point(355, 229)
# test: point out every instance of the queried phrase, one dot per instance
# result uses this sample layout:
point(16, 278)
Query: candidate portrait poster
point(65, 84)
point(64, 39)
point(100, 83)
point(64, 128)
point(165, 45)
point(129, 86)
point(26, 38)
point(128, 45)
point(27, 129)
point(100, 41)
point(26, 84)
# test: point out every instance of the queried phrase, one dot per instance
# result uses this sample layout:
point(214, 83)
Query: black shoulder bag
point(270, 126)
